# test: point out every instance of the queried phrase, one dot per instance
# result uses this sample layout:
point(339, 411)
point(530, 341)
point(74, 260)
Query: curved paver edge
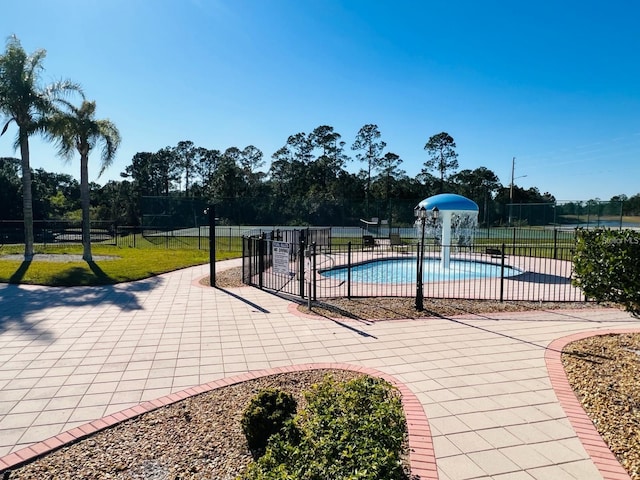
point(421, 454)
point(602, 457)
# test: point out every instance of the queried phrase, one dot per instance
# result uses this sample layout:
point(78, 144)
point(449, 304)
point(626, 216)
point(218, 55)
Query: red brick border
point(593, 443)
point(421, 454)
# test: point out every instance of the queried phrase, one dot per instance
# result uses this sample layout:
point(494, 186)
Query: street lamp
point(421, 213)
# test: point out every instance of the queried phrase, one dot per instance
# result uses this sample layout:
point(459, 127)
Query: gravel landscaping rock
point(196, 438)
point(604, 372)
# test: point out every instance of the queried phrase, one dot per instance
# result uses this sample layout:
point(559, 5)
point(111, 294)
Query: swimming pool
point(404, 270)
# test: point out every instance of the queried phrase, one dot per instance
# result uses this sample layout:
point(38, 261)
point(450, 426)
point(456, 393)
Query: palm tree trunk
point(27, 198)
point(85, 203)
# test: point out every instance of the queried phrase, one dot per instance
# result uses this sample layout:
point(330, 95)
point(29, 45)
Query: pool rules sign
point(281, 257)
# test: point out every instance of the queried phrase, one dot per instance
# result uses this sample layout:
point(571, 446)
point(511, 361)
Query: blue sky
point(555, 84)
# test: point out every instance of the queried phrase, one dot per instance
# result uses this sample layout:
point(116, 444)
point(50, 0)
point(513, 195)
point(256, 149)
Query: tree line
point(307, 181)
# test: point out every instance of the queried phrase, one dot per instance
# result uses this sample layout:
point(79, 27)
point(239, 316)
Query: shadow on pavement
point(22, 306)
point(244, 300)
point(543, 278)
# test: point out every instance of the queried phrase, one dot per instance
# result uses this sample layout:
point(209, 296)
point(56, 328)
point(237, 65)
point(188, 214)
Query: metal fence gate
point(503, 272)
point(258, 267)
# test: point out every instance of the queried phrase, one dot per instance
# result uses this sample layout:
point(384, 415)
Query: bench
point(368, 241)
point(396, 242)
point(494, 252)
point(383, 243)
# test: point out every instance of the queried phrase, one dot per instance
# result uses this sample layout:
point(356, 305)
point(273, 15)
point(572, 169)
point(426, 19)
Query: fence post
point(244, 260)
point(261, 243)
point(313, 272)
point(249, 254)
point(212, 245)
point(502, 274)
point(555, 243)
point(301, 265)
point(621, 213)
point(349, 270)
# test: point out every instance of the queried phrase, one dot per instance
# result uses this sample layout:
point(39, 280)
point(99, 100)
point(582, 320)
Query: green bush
point(607, 266)
point(266, 414)
point(351, 430)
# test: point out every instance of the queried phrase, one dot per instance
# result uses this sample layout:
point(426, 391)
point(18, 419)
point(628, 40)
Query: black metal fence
point(52, 233)
point(56, 232)
point(538, 271)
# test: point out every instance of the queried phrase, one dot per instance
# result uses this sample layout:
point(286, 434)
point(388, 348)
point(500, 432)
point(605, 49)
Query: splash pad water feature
point(452, 206)
point(449, 219)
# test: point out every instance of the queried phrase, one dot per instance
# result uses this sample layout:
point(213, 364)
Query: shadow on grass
point(20, 272)
point(98, 272)
point(79, 276)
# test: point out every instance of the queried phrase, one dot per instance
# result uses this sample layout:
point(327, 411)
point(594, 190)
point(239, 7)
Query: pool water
point(404, 270)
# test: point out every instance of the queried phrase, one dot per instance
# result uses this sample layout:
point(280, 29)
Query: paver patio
point(73, 355)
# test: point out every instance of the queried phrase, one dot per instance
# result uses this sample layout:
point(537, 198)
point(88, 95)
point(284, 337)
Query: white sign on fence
point(281, 258)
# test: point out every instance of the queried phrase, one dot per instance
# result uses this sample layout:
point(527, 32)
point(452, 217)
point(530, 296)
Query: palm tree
point(79, 130)
point(25, 102)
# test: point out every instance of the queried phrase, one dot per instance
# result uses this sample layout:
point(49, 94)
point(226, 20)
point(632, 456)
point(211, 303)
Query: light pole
point(420, 212)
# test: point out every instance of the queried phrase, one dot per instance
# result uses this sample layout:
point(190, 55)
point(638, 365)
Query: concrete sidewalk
point(73, 355)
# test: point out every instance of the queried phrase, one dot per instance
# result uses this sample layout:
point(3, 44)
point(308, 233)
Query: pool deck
point(485, 395)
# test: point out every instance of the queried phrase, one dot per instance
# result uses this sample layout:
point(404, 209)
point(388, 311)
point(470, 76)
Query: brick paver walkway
point(74, 355)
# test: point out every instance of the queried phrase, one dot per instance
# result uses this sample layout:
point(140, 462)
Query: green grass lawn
point(130, 264)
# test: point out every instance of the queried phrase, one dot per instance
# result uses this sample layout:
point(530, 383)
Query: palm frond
point(111, 141)
point(76, 129)
point(6, 126)
point(57, 129)
point(63, 88)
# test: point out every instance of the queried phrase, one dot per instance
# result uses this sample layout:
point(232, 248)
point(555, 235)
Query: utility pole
point(513, 170)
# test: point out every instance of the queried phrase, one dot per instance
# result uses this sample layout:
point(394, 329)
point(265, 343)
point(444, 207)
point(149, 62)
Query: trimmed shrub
point(351, 430)
point(266, 414)
point(607, 266)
